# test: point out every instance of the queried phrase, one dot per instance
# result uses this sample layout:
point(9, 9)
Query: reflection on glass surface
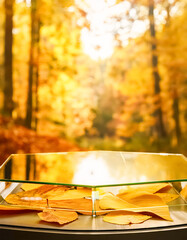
point(95, 168)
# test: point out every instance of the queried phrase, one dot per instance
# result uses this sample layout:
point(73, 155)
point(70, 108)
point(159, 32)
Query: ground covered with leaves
point(19, 139)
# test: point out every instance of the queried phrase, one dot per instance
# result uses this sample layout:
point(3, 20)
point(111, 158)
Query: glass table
point(100, 173)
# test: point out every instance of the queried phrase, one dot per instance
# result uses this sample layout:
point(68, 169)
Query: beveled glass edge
point(2, 165)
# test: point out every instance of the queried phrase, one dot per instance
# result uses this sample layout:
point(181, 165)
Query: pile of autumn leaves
point(19, 139)
point(130, 205)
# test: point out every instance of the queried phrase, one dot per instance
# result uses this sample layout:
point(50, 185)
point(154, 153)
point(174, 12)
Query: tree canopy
point(108, 75)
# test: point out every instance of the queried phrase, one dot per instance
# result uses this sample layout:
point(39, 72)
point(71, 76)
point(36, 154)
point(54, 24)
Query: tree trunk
point(33, 64)
point(174, 89)
point(176, 118)
point(37, 75)
point(158, 112)
point(8, 104)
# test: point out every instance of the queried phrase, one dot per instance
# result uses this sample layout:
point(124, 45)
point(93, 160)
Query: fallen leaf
point(167, 197)
point(41, 198)
point(26, 202)
point(30, 186)
point(110, 201)
point(55, 191)
point(149, 202)
point(75, 204)
point(81, 205)
point(184, 192)
point(150, 188)
point(43, 192)
point(143, 199)
point(124, 218)
point(62, 217)
point(10, 208)
point(72, 194)
point(137, 204)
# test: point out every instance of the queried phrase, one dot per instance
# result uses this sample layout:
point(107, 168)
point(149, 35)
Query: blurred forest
point(93, 74)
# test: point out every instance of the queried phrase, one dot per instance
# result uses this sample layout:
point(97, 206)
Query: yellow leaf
point(30, 186)
point(151, 188)
point(184, 192)
point(44, 191)
point(62, 217)
point(80, 205)
point(73, 194)
point(167, 197)
point(34, 203)
point(109, 201)
point(10, 208)
point(122, 217)
point(35, 198)
point(138, 202)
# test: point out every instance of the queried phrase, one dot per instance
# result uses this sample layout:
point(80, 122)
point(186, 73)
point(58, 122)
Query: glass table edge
point(93, 186)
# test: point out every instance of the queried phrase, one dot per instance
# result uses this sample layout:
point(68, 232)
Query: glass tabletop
point(94, 168)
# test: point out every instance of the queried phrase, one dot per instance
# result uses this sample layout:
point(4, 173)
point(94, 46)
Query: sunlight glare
point(99, 41)
point(71, 9)
point(98, 47)
point(93, 171)
point(137, 28)
point(96, 5)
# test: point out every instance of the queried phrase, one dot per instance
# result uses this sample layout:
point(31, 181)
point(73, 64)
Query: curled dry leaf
point(26, 202)
point(184, 192)
point(81, 205)
point(30, 186)
point(37, 192)
point(153, 205)
point(150, 188)
point(143, 199)
point(110, 201)
point(73, 194)
point(167, 197)
point(61, 217)
point(10, 208)
point(55, 191)
point(150, 203)
point(45, 196)
point(124, 217)
point(44, 191)
point(35, 198)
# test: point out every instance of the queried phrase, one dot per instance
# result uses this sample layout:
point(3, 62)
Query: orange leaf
point(62, 217)
point(122, 217)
